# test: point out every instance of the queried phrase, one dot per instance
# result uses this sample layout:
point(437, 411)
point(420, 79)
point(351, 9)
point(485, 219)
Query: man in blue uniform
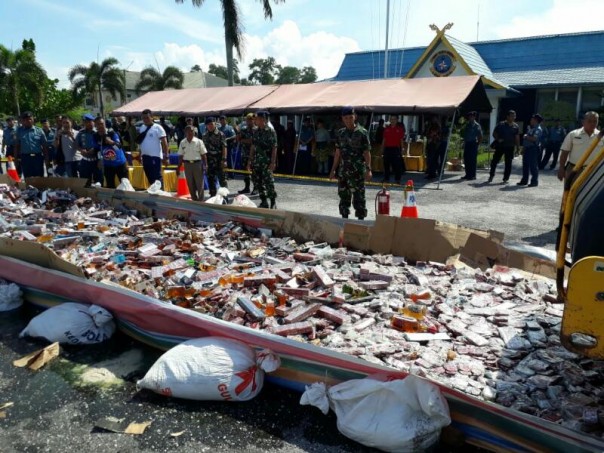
point(532, 152)
point(50, 133)
point(90, 168)
point(554, 142)
point(507, 138)
point(31, 147)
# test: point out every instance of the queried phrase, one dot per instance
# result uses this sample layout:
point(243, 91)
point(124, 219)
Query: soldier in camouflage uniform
point(263, 157)
point(215, 143)
point(245, 140)
point(353, 164)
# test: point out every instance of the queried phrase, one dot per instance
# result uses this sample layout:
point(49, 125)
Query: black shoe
point(464, 177)
point(533, 184)
point(505, 181)
point(490, 179)
point(521, 183)
point(344, 216)
point(254, 192)
point(263, 204)
point(361, 218)
point(245, 190)
point(471, 179)
point(273, 204)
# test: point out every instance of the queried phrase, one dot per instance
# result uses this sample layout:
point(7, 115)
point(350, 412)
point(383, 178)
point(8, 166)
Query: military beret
point(347, 110)
point(222, 117)
point(27, 115)
point(262, 114)
point(209, 119)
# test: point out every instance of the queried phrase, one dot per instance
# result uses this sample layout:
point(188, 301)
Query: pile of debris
point(492, 334)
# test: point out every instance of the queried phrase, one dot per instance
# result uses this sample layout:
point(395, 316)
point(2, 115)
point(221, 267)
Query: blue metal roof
point(499, 59)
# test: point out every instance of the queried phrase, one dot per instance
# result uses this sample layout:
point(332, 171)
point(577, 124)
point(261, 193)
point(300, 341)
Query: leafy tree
point(308, 74)
point(92, 80)
point(29, 44)
point(152, 80)
point(288, 75)
point(222, 71)
point(57, 101)
point(196, 68)
point(233, 28)
point(264, 71)
point(20, 75)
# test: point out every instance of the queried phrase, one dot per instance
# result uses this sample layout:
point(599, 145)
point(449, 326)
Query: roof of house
point(516, 62)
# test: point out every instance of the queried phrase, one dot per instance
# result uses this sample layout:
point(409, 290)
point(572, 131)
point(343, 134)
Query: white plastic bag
point(212, 368)
point(125, 185)
point(72, 323)
point(242, 200)
point(398, 416)
point(11, 296)
point(220, 196)
point(155, 189)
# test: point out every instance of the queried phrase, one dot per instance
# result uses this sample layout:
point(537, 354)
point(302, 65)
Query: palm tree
point(20, 73)
point(152, 80)
point(233, 28)
point(92, 80)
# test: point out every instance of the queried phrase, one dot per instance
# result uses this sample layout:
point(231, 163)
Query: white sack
point(11, 297)
point(243, 200)
point(220, 197)
point(212, 368)
point(398, 416)
point(72, 323)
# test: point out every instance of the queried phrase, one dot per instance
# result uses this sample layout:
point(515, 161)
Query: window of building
point(592, 99)
point(545, 97)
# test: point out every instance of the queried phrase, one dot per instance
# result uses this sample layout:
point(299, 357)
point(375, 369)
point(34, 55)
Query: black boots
point(273, 204)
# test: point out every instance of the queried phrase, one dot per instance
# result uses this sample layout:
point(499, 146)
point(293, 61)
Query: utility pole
point(387, 29)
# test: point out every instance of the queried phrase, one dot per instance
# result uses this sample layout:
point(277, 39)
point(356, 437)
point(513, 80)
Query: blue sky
point(303, 32)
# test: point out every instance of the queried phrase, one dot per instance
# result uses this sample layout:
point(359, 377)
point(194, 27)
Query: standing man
point(554, 142)
point(50, 133)
point(307, 135)
point(472, 136)
point(532, 152)
point(433, 134)
point(31, 147)
point(392, 149)
point(154, 148)
point(353, 164)
point(215, 144)
point(229, 136)
point(507, 138)
point(67, 149)
point(263, 159)
point(576, 143)
point(245, 141)
point(192, 152)
point(9, 139)
point(89, 165)
point(107, 144)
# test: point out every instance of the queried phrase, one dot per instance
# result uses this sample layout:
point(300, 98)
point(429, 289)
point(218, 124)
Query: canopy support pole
point(442, 165)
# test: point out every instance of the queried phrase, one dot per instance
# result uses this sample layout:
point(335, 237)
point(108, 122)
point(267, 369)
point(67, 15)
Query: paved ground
point(53, 412)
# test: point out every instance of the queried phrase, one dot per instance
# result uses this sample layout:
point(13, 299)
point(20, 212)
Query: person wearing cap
point(154, 148)
point(305, 142)
point(192, 154)
point(557, 132)
point(89, 165)
point(215, 144)
point(507, 139)
point(9, 139)
point(107, 144)
point(246, 133)
point(576, 143)
point(229, 135)
point(531, 144)
point(263, 160)
point(472, 136)
point(352, 161)
point(31, 147)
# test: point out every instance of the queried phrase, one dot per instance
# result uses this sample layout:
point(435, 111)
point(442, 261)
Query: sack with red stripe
point(212, 368)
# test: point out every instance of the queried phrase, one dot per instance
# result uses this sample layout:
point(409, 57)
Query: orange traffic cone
point(11, 170)
point(409, 205)
point(182, 191)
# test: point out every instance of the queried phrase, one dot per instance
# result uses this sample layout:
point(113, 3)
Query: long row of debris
point(492, 334)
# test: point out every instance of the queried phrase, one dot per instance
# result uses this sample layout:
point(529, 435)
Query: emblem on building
point(442, 63)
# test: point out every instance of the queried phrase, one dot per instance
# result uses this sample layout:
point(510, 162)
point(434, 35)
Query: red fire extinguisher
point(382, 202)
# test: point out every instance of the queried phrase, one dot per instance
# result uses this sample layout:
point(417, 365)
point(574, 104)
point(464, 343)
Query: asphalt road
point(54, 411)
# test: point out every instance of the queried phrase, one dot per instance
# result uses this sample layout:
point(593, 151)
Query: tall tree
point(21, 74)
point(223, 72)
point(263, 71)
point(93, 79)
point(308, 74)
point(196, 68)
point(288, 75)
point(233, 28)
point(152, 80)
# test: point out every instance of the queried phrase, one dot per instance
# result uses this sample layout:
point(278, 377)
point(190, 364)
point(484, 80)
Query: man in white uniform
point(192, 152)
point(154, 147)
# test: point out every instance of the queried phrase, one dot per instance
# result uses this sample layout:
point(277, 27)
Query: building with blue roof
point(556, 75)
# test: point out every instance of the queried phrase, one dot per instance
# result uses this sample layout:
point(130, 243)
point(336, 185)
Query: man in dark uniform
point(532, 152)
point(31, 147)
point(263, 158)
point(554, 142)
point(472, 136)
point(245, 141)
point(89, 165)
point(215, 143)
point(50, 133)
point(507, 138)
point(352, 161)
point(9, 139)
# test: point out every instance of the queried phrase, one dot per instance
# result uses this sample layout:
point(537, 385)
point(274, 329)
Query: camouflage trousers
point(351, 189)
point(215, 170)
point(263, 180)
point(245, 158)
